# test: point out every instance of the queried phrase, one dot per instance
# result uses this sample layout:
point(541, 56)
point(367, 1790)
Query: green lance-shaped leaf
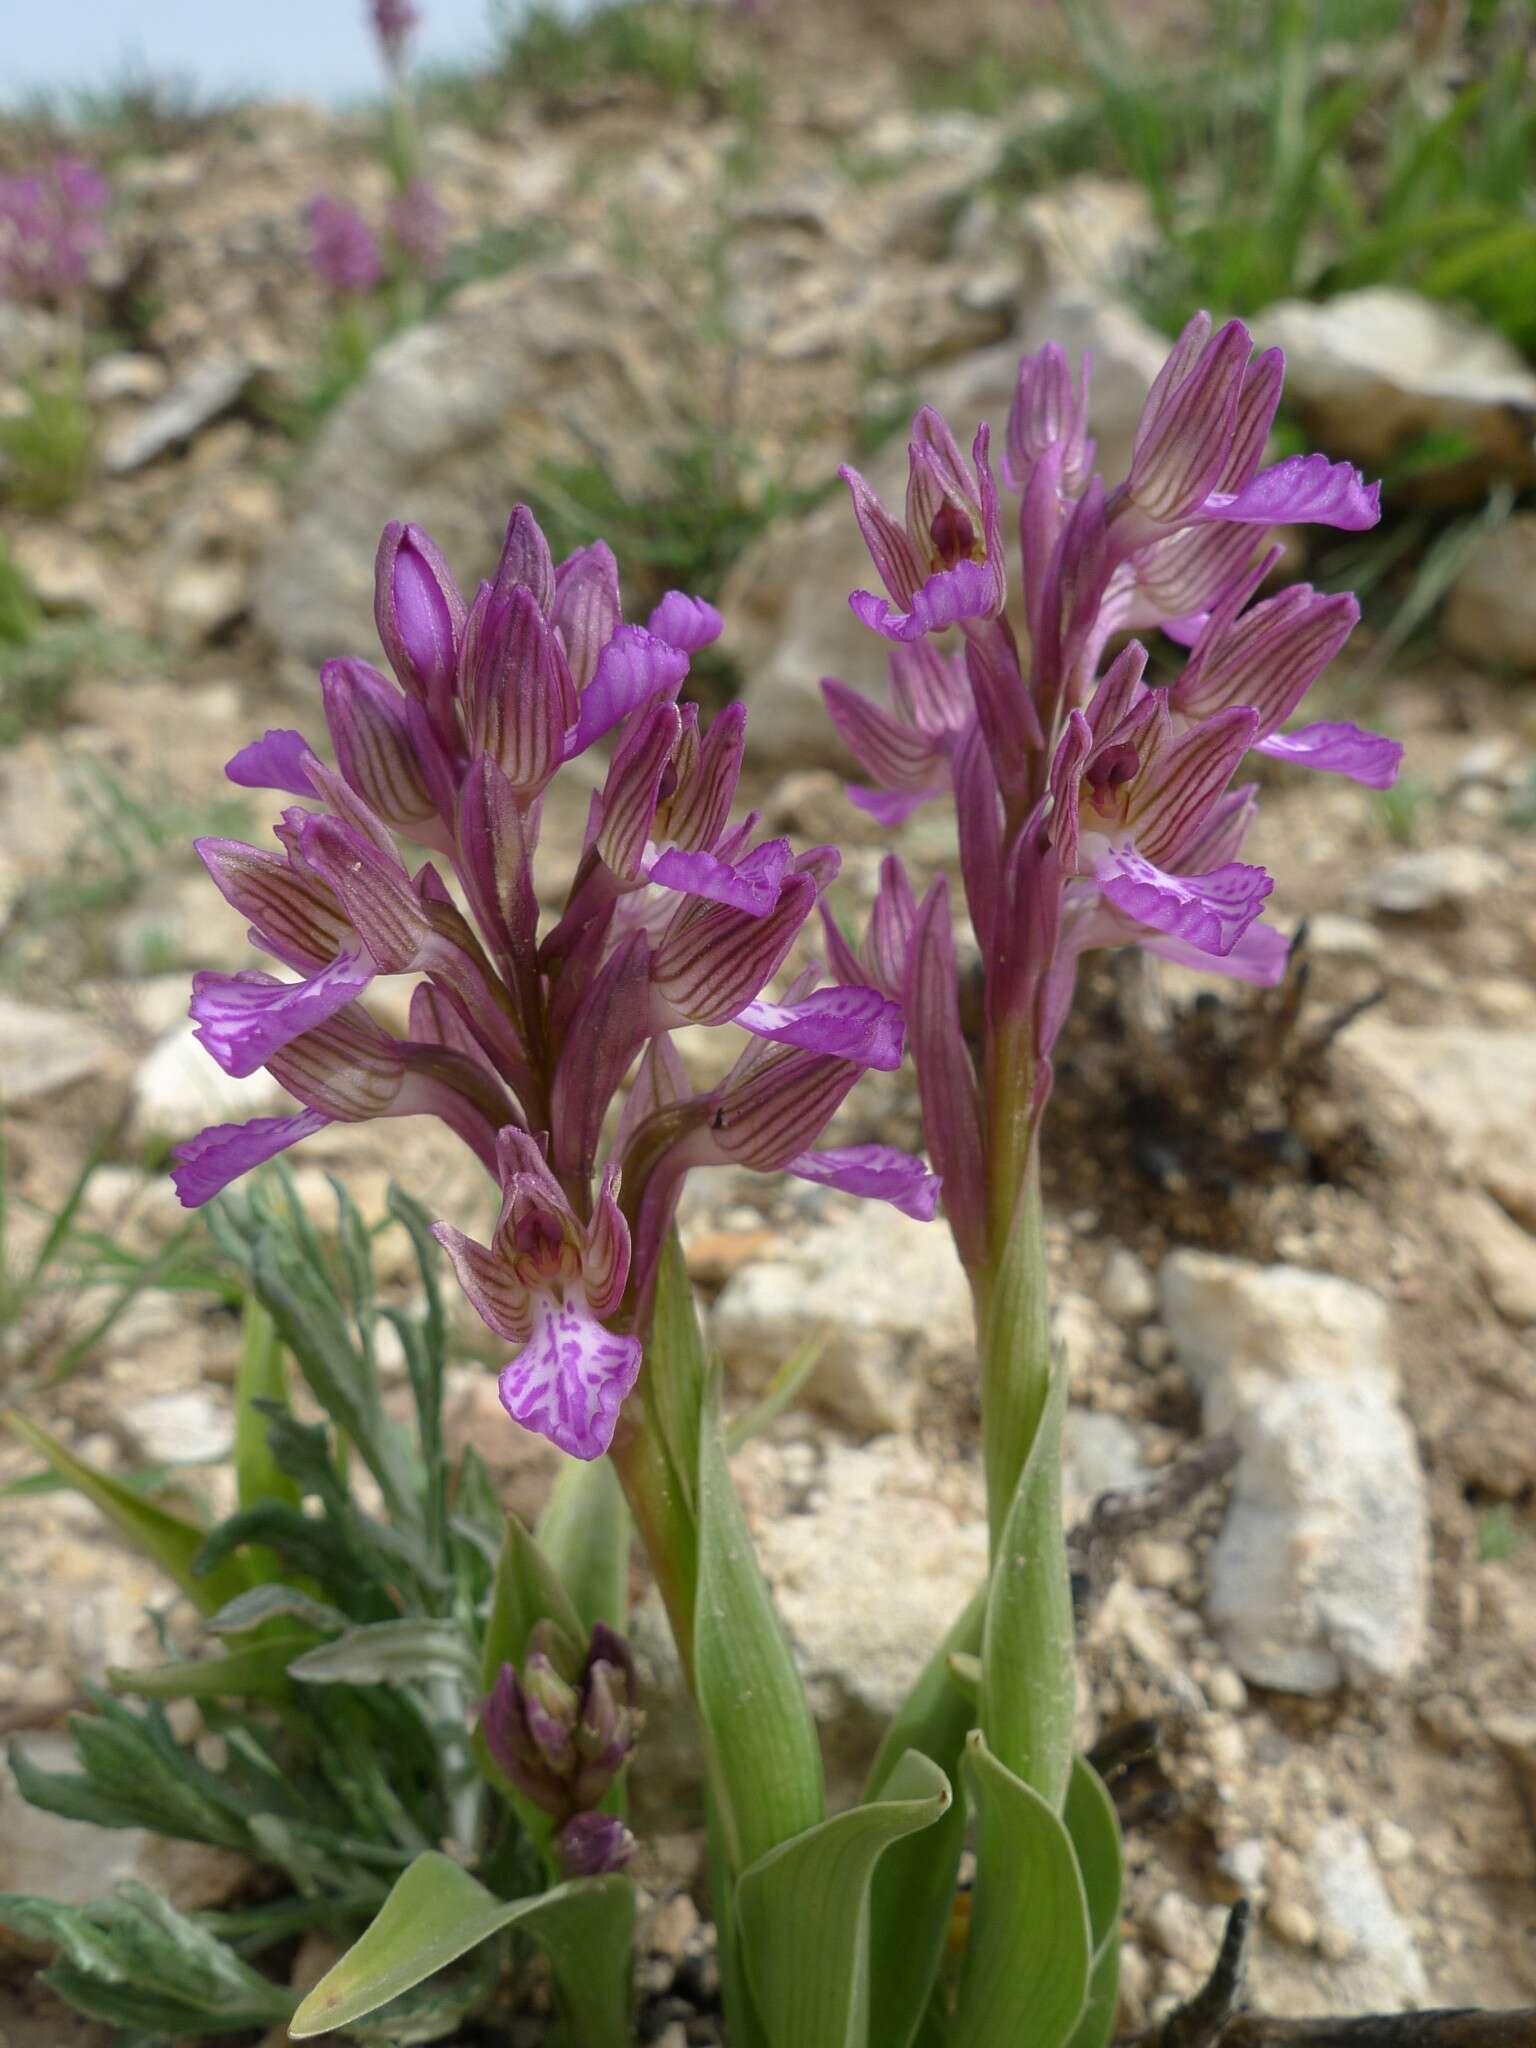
point(804, 1913)
point(166, 1539)
point(914, 1887)
point(1028, 1646)
point(764, 1759)
point(437, 1912)
point(262, 1377)
point(1094, 1826)
point(134, 1774)
point(258, 1671)
point(1027, 1967)
point(584, 1532)
point(298, 1292)
point(275, 1603)
point(134, 1961)
point(390, 1653)
point(527, 1589)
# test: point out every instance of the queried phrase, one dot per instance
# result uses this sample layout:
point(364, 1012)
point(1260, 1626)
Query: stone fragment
point(543, 365)
point(888, 1295)
point(111, 380)
point(208, 389)
point(868, 1580)
point(1099, 1454)
point(64, 572)
point(1240, 1328)
point(178, 1090)
point(42, 1051)
point(1126, 1288)
point(1438, 878)
point(44, 1856)
point(192, 1426)
point(1490, 615)
point(1320, 1575)
point(1371, 1963)
point(1503, 1254)
point(1475, 1087)
point(1373, 372)
point(199, 600)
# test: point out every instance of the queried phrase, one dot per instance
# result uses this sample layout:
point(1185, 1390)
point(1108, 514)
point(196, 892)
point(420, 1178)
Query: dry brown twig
point(1213, 2019)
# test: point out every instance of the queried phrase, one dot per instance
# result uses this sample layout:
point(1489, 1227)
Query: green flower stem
point(664, 1515)
point(1011, 1293)
point(1028, 1651)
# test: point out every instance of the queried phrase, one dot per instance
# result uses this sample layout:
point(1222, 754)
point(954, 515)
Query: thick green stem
point(1028, 1645)
point(1012, 1295)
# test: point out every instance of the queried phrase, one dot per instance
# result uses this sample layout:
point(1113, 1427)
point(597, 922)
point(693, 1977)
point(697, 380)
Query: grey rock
point(889, 1296)
point(1500, 1252)
point(1319, 1577)
point(868, 1581)
point(1126, 1288)
point(44, 1856)
point(195, 401)
point(1099, 1454)
point(1240, 1329)
point(1438, 878)
point(1372, 371)
point(42, 1051)
point(447, 427)
point(65, 572)
point(178, 1089)
point(1475, 1088)
point(188, 1427)
point(1490, 615)
point(123, 376)
point(1379, 1968)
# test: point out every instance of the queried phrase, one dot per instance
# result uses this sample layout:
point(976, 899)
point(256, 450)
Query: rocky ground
point(1307, 1218)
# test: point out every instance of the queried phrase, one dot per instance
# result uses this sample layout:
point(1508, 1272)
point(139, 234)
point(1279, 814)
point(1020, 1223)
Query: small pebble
point(1291, 1922)
point(1226, 1690)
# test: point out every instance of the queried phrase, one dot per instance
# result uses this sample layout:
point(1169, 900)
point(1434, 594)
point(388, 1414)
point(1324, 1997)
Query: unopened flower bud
point(419, 612)
point(593, 1844)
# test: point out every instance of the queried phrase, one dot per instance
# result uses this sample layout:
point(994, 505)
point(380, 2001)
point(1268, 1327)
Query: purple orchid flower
point(50, 227)
point(418, 227)
point(520, 1040)
point(1093, 809)
point(944, 565)
point(344, 252)
point(394, 22)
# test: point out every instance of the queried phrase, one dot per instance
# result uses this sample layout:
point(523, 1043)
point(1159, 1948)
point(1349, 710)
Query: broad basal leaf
point(803, 1913)
point(437, 1912)
point(1029, 1643)
point(1027, 1967)
point(765, 1761)
point(914, 1887)
point(1094, 1826)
